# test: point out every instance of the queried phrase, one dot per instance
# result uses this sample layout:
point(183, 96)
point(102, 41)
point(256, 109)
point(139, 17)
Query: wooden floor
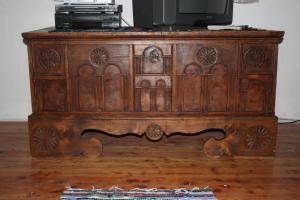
point(135, 162)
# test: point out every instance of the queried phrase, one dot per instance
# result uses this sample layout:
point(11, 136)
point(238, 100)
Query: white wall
point(18, 16)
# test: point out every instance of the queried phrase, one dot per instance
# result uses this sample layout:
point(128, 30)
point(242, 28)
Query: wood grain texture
point(131, 162)
point(155, 84)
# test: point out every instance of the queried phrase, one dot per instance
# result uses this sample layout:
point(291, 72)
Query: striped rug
point(137, 194)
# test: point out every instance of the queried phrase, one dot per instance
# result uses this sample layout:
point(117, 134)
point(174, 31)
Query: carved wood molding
point(213, 148)
point(49, 59)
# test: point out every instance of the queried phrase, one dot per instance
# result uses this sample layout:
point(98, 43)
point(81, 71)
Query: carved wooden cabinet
point(153, 83)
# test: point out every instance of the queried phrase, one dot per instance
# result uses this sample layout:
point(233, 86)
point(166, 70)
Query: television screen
point(199, 13)
point(202, 6)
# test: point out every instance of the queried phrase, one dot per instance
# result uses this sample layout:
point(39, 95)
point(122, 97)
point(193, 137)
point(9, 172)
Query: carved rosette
point(99, 57)
point(45, 140)
point(207, 56)
point(49, 59)
point(154, 132)
point(258, 137)
point(255, 57)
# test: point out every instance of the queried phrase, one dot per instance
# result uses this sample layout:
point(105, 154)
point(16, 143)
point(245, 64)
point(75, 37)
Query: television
point(186, 13)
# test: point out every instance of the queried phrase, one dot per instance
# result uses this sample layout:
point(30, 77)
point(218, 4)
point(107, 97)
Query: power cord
point(288, 121)
point(127, 23)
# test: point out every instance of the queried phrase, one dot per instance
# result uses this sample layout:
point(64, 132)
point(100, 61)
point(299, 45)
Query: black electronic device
point(199, 13)
point(85, 16)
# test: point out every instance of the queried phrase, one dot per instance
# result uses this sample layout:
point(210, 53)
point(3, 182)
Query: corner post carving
point(226, 147)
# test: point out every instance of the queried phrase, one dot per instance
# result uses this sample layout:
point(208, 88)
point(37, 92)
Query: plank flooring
point(132, 162)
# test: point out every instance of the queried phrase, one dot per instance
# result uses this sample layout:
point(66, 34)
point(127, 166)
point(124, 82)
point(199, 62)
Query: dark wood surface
point(131, 162)
point(153, 83)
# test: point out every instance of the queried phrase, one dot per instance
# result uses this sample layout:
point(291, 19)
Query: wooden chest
point(155, 84)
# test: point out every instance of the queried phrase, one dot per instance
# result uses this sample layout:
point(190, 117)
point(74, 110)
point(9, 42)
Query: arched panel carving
point(192, 69)
point(153, 61)
point(192, 89)
point(87, 86)
point(160, 95)
point(218, 89)
point(145, 96)
point(256, 95)
point(113, 89)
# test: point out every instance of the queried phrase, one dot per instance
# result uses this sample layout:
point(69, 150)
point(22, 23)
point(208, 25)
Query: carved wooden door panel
point(258, 72)
point(99, 78)
point(206, 77)
point(152, 69)
point(49, 92)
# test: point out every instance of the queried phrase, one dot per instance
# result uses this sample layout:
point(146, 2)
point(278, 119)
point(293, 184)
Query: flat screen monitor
point(150, 13)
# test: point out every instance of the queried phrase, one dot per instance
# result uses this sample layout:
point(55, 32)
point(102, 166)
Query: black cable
point(128, 24)
point(289, 122)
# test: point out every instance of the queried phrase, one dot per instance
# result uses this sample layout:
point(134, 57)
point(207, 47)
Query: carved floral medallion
point(154, 132)
point(258, 137)
point(49, 59)
point(255, 57)
point(45, 140)
point(99, 57)
point(207, 56)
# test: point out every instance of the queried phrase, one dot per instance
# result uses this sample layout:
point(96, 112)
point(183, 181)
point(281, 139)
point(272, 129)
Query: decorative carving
point(49, 59)
point(154, 132)
point(99, 57)
point(192, 70)
point(153, 61)
point(212, 149)
point(90, 145)
point(207, 56)
point(145, 84)
point(215, 149)
point(161, 83)
point(45, 140)
point(113, 89)
point(232, 130)
point(255, 57)
point(154, 55)
point(258, 137)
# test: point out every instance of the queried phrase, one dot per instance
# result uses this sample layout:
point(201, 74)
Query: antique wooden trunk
point(153, 83)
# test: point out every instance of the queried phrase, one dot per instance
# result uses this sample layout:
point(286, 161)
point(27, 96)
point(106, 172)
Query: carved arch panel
point(100, 78)
point(218, 88)
point(153, 94)
point(256, 95)
point(205, 77)
point(113, 89)
point(87, 88)
point(192, 88)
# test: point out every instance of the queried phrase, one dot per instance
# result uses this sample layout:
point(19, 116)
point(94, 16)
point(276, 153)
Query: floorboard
point(132, 162)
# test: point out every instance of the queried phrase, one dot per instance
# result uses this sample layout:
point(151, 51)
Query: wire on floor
point(288, 121)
